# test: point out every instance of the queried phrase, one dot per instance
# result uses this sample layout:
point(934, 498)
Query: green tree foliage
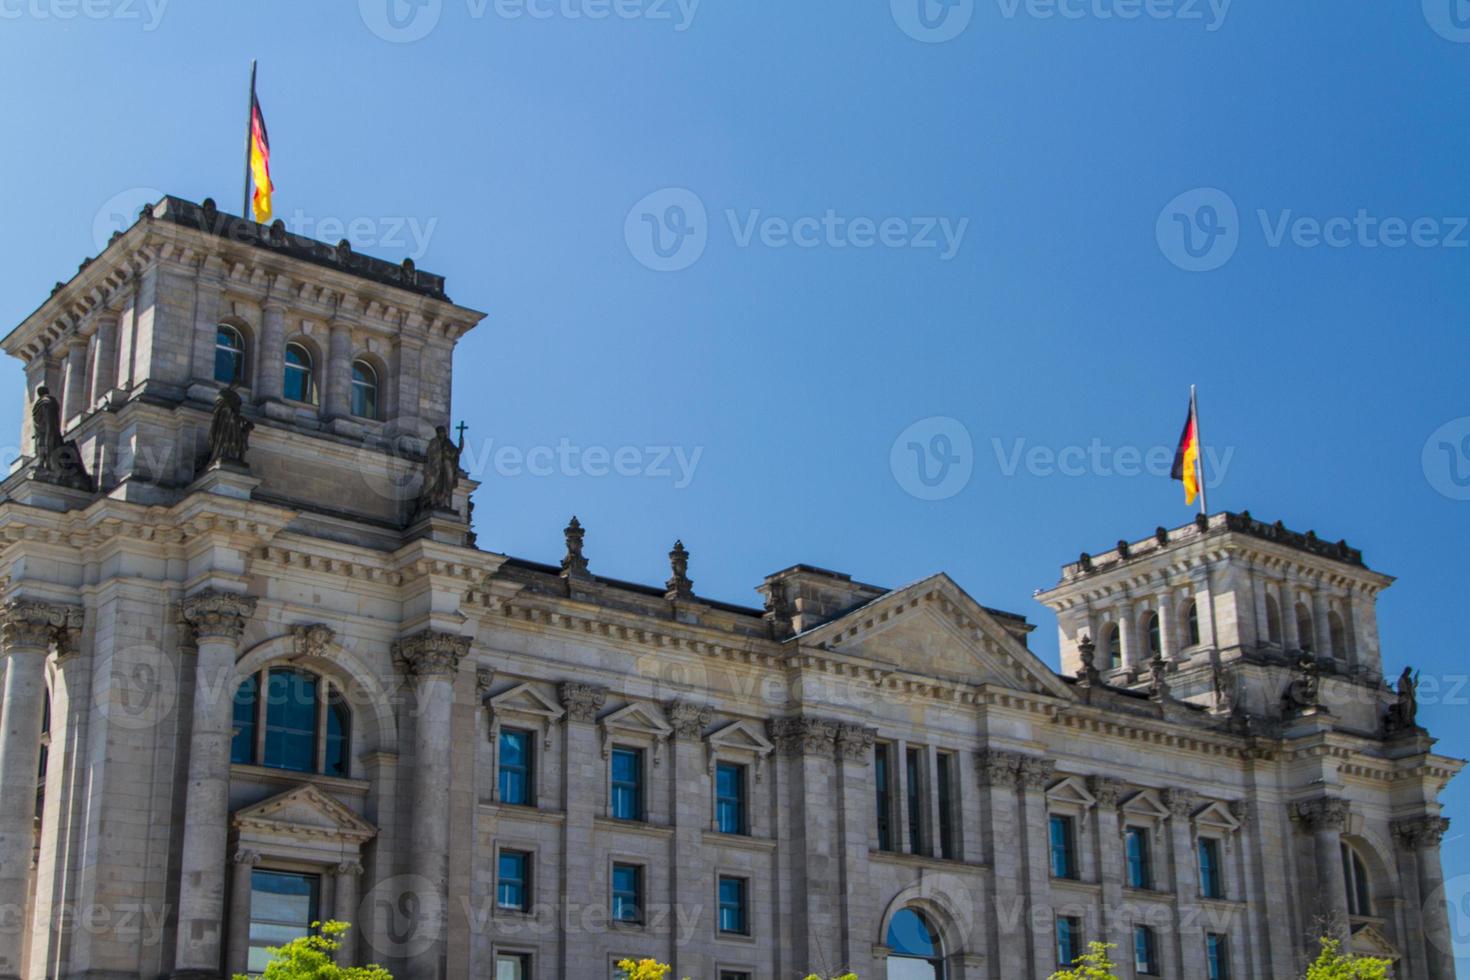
point(1091, 965)
point(310, 958)
point(1334, 965)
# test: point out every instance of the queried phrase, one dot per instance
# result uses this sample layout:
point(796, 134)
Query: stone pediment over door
point(933, 628)
point(302, 824)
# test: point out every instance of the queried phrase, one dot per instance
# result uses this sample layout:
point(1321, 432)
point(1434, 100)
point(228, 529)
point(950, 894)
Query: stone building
point(267, 677)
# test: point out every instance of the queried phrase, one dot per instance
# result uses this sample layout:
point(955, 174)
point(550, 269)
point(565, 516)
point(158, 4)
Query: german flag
point(260, 160)
point(1186, 457)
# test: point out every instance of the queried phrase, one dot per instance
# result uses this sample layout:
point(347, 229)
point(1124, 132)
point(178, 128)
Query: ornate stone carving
point(57, 460)
point(484, 680)
point(216, 614)
point(313, 640)
point(679, 586)
point(856, 742)
point(582, 701)
point(1107, 789)
point(1420, 832)
point(1403, 714)
point(441, 472)
point(1242, 810)
point(1323, 813)
point(802, 735)
point(247, 858)
point(229, 430)
point(1087, 650)
point(1302, 694)
point(1158, 674)
point(431, 653)
point(689, 720)
point(34, 625)
point(1035, 773)
point(1180, 802)
point(998, 768)
point(350, 868)
point(575, 562)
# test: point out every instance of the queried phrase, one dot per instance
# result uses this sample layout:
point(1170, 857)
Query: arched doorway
point(914, 948)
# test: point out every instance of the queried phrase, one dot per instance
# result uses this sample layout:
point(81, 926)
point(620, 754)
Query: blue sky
point(1314, 152)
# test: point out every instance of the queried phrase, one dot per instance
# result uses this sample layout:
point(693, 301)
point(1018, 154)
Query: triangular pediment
point(646, 719)
point(525, 699)
point(1145, 803)
point(1072, 790)
point(741, 736)
point(1217, 816)
point(1369, 940)
point(305, 809)
point(935, 629)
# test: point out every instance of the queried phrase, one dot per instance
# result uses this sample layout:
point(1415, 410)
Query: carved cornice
point(431, 653)
point(802, 735)
point(1323, 813)
point(29, 624)
point(1180, 802)
point(1417, 833)
point(855, 742)
point(582, 701)
point(216, 614)
point(1106, 789)
point(687, 719)
point(998, 768)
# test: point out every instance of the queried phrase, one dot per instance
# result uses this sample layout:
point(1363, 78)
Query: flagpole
point(249, 143)
point(1199, 461)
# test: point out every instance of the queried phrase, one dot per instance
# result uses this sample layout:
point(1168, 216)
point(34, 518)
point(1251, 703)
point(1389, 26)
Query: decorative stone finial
point(574, 565)
point(679, 586)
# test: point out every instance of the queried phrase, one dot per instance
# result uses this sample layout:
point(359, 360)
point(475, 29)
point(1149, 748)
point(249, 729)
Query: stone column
point(808, 756)
point(268, 372)
point(1290, 640)
point(338, 378)
point(1421, 836)
point(1033, 776)
point(28, 631)
point(1320, 625)
point(209, 294)
point(431, 659)
point(1187, 932)
point(1127, 636)
point(583, 770)
point(688, 867)
point(74, 385)
point(1110, 857)
point(348, 876)
point(1168, 642)
point(237, 956)
point(1000, 828)
point(104, 356)
point(855, 794)
point(217, 619)
point(1325, 819)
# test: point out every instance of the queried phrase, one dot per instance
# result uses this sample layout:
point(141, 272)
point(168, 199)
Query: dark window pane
point(1068, 940)
point(627, 893)
point(515, 766)
point(946, 807)
point(627, 784)
point(242, 746)
point(732, 905)
point(909, 934)
point(913, 791)
point(1140, 870)
point(880, 780)
point(513, 875)
point(282, 908)
point(1209, 869)
point(730, 798)
point(299, 384)
point(512, 966)
point(364, 391)
point(1063, 853)
point(290, 720)
point(229, 356)
point(339, 734)
point(1145, 959)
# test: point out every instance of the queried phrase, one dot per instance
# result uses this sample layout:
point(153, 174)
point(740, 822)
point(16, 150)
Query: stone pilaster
point(337, 375)
point(242, 867)
point(1033, 775)
point(1421, 836)
point(104, 356)
point(268, 373)
point(217, 619)
point(689, 869)
point(1325, 818)
point(431, 661)
point(1182, 859)
point(855, 794)
point(1000, 829)
point(1110, 859)
point(347, 877)
point(29, 630)
point(584, 781)
point(74, 386)
point(806, 749)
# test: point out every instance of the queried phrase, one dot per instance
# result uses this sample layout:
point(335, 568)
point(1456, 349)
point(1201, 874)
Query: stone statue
point(57, 461)
point(229, 430)
point(1303, 694)
point(1403, 714)
point(441, 472)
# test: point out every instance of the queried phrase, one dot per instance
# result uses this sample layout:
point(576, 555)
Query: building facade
point(258, 673)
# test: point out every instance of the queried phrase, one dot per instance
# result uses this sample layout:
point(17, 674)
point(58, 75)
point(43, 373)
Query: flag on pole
point(260, 159)
point(1186, 457)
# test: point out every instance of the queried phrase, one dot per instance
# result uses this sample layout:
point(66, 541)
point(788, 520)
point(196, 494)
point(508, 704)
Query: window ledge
point(516, 811)
point(744, 841)
point(289, 777)
point(632, 827)
point(922, 860)
point(1076, 884)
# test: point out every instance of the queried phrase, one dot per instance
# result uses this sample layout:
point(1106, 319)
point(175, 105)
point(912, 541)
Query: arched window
point(301, 723)
point(1304, 634)
point(1191, 624)
point(1112, 654)
point(364, 390)
point(1151, 630)
point(1355, 873)
point(229, 355)
point(914, 951)
point(45, 744)
point(1273, 620)
point(1337, 635)
point(300, 384)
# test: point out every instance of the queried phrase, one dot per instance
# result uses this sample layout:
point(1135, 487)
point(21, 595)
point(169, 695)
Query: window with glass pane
point(1145, 951)
point(516, 747)
point(732, 906)
point(282, 908)
point(1140, 862)
point(1217, 956)
point(1063, 847)
point(734, 975)
point(242, 746)
point(1069, 939)
point(300, 384)
point(627, 893)
point(364, 390)
point(290, 720)
point(913, 790)
point(338, 734)
point(512, 966)
point(229, 355)
point(881, 781)
point(1210, 885)
point(944, 776)
point(513, 878)
point(627, 784)
point(730, 798)
point(1355, 873)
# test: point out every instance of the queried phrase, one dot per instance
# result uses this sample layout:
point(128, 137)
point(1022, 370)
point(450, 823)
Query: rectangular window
point(512, 966)
point(1210, 885)
point(734, 975)
point(1145, 951)
point(1069, 939)
point(1063, 847)
point(627, 893)
point(1140, 861)
point(515, 759)
point(282, 908)
point(881, 778)
point(733, 918)
point(913, 792)
point(627, 784)
point(730, 798)
point(513, 884)
point(945, 779)
point(242, 745)
point(1217, 956)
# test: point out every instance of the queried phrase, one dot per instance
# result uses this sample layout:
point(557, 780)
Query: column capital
point(350, 868)
point(1322, 813)
point(998, 768)
point(1180, 802)
point(855, 742)
point(29, 624)
point(1107, 789)
point(1416, 833)
point(431, 653)
point(802, 735)
point(1035, 772)
point(582, 701)
point(689, 720)
point(216, 614)
point(246, 858)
